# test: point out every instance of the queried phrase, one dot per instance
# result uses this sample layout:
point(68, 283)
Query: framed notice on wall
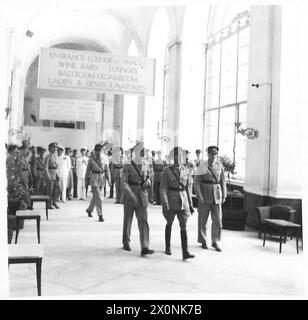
point(64, 69)
point(70, 110)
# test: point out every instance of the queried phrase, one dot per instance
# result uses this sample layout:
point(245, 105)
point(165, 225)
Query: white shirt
point(81, 166)
point(64, 164)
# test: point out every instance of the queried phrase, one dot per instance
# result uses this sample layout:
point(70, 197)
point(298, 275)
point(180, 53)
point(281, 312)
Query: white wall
point(274, 59)
point(258, 100)
point(42, 136)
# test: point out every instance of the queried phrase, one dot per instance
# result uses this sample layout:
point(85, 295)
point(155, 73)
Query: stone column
point(173, 94)
point(140, 117)
point(118, 119)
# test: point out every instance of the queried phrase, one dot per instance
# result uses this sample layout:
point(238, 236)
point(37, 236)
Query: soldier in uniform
point(211, 192)
point(22, 165)
point(51, 168)
point(117, 160)
point(136, 184)
point(111, 169)
point(199, 157)
point(158, 166)
point(40, 179)
point(175, 199)
point(98, 172)
point(149, 161)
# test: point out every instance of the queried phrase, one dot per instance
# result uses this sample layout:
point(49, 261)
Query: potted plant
point(234, 215)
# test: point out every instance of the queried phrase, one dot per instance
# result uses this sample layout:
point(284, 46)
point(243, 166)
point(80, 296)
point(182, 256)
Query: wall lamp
point(159, 137)
point(250, 133)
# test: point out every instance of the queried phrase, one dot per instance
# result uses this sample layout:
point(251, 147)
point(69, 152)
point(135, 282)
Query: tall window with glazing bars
point(226, 76)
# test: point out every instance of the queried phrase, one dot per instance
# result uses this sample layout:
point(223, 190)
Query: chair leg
point(17, 229)
point(297, 241)
point(280, 242)
point(264, 237)
point(38, 227)
point(39, 276)
point(46, 208)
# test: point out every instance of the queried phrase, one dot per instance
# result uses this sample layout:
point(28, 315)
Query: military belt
point(118, 167)
point(176, 189)
point(24, 169)
point(53, 168)
point(96, 172)
point(209, 182)
point(39, 169)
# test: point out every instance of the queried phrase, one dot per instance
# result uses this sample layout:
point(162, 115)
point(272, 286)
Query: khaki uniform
point(135, 199)
point(117, 176)
point(51, 167)
point(211, 189)
point(23, 169)
point(174, 195)
point(98, 171)
point(158, 166)
point(40, 178)
point(149, 163)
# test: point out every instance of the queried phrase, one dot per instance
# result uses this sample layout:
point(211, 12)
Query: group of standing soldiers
point(139, 179)
point(59, 174)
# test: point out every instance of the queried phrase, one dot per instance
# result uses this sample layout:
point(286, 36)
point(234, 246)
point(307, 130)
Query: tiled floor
point(84, 257)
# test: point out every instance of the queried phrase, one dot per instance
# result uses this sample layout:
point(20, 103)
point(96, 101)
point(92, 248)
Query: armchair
point(273, 212)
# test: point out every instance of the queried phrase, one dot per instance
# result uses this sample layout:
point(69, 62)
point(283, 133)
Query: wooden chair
point(40, 198)
point(28, 215)
point(30, 253)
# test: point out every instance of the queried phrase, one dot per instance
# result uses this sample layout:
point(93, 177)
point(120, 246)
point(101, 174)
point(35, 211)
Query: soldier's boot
point(167, 240)
point(186, 254)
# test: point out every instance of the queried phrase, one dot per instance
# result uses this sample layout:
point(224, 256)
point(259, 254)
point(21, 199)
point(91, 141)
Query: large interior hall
point(88, 87)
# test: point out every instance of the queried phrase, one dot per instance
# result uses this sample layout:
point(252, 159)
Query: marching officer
point(211, 192)
point(40, 179)
point(98, 172)
point(175, 199)
point(51, 168)
point(136, 184)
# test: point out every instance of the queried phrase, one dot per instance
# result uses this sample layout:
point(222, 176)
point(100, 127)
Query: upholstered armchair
point(273, 212)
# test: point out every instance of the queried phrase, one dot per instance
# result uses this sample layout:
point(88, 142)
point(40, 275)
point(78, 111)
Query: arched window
point(130, 111)
point(226, 76)
point(154, 106)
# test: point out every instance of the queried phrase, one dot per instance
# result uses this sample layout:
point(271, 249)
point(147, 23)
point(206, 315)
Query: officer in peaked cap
point(40, 179)
point(136, 184)
point(212, 150)
point(175, 199)
point(97, 171)
point(211, 192)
